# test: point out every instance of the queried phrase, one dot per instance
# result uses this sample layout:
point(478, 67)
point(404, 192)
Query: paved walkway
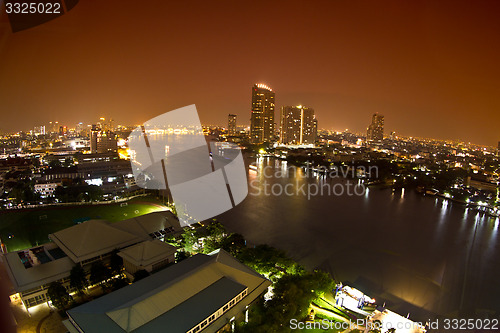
point(42, 320)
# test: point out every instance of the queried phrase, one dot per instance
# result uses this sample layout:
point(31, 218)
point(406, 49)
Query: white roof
point(147, 253)
point(92, 238)
point(154, 303)
point(24, 279)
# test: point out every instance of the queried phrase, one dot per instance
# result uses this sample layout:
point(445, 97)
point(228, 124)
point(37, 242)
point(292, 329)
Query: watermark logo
point(25, 14)
point(171, 152)
point(310, 181)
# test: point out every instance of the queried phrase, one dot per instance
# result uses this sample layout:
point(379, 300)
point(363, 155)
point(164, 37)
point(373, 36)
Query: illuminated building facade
point(93, 138)
point(231, 124)
point(102, 141)
point(262, 118)
point(106, 142)
point(375, 132)
point(298, 125)
point(39, 130)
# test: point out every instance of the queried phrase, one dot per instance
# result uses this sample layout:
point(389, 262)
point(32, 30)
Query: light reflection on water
point(403, 247)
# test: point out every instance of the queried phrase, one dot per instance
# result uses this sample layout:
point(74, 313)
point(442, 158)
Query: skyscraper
point(106, 142)
point(262, 118)
point(93, 138)
point(298, 125)
point(231, 124)
point(39, 130)
point(375, 132)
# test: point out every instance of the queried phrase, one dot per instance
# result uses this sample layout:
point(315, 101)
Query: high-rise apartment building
point(106, 142)
point(262, 118)
point(93, 138)
point(298, 125)
point(102, 141)
point(375, 132)
point(231, 124)
point(39, 130)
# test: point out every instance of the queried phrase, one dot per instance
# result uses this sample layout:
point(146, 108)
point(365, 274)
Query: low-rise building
point(47, 190)
point(204, 293)
point(15, 164)
point(32, 270)
point(150, 256)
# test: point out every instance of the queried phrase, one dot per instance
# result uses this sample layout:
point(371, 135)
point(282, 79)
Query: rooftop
point(25, 278)
point(147, 252)
point(34, 267)
point(98, 237)
point(178, 297)
point(92, 238)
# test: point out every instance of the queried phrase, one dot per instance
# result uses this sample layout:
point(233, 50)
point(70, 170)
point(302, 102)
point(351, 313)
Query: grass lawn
point(29, 227)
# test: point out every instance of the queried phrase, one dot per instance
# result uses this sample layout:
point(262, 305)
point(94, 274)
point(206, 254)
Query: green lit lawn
point(32, 226)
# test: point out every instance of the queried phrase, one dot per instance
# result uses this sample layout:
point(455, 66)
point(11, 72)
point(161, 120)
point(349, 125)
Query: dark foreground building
point(205, 293)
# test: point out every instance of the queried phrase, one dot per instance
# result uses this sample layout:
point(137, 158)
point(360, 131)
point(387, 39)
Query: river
point(420, 255)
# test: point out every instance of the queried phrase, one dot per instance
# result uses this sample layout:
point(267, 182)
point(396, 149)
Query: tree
point(22, 191)
point(292, 297)
point(170, 239)
point(140, 274)
point(55, 163)
point(215, 234)
point(78, 279)
point(189, 239)
point(321, 282)
point(216, 230)
point(99, 273)
point(116, 263)
point(119, 283)
point(78, 192)
point(267, 260)
point(58, 295)
point(234, 244)
point(181, 255)
point(95, 192)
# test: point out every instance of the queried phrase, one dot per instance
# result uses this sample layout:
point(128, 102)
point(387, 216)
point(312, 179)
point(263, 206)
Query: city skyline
point(262, 166)
point(430, 69)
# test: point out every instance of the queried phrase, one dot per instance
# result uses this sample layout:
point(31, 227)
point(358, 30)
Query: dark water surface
point(421, 255)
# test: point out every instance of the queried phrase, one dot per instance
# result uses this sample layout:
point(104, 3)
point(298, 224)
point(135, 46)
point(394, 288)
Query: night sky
point(431, 67)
